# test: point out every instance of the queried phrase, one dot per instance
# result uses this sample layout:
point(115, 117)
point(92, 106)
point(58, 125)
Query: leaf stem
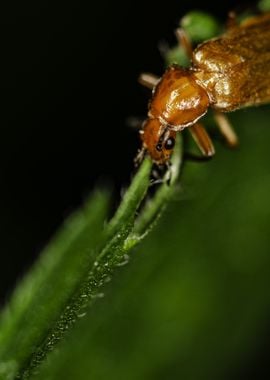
point(132, 198)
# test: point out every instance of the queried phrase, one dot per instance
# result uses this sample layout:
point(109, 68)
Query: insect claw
point(154, 182)
point(169, 172)
point(140, 156)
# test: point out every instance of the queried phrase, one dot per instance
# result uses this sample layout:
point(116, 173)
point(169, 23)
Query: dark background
point(68, 83)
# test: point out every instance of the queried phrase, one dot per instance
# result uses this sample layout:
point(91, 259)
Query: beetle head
point(158, 140)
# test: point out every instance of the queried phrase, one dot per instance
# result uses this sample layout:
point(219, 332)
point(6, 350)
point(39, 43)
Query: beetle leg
point(231, 20)
point(134, 122)
point(202, 139)
point(148, 80)
point(184, 41)
point(139, 157)
point(226, 129)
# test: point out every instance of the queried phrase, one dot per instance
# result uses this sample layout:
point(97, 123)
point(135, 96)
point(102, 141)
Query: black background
point(69, 82)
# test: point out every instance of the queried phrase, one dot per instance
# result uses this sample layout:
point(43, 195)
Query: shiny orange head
point(158, 141)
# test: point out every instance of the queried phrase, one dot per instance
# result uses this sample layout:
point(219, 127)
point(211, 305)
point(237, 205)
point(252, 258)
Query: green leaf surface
point(264, 5)
point(71, 273)
point(193, 302)
point(45, 291)
point(125, 213)
point(200, 26)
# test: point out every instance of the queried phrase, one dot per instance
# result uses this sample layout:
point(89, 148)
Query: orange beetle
point(226, 73)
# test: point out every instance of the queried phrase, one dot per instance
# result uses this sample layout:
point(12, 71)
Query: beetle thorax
point(178, 100)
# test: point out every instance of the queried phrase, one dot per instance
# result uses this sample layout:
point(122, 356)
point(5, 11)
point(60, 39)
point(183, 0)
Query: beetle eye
point(159, 147)
point(169, 144)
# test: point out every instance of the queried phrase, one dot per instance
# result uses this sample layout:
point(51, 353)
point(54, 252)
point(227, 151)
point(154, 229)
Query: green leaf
point(70, 275)
point(200, 26)
point(125, 213)
point(178, 56)
point(43, 294)
point(264, 5)
point(193, 301)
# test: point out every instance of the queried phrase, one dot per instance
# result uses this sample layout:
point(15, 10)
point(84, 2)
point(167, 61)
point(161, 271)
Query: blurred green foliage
point(72, 270)
point(193, 302)
point(200, 26)
point(177, 55)
point(264, 5)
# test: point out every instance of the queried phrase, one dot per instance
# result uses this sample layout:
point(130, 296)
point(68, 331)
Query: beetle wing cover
point(236, 66)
